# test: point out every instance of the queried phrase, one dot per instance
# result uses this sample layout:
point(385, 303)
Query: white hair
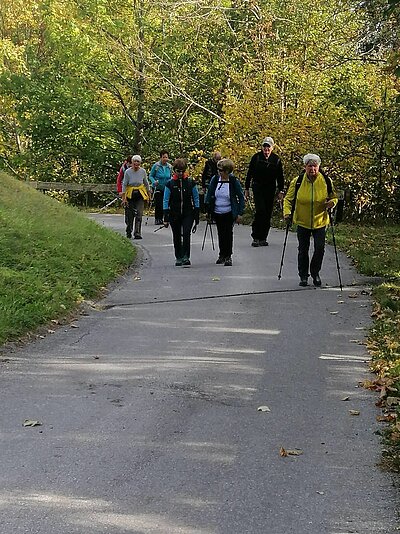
point(137, 158)
point(314, 158)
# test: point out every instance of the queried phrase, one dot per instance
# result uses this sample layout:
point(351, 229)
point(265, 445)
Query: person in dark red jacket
point(265, 175)
point(125, 165)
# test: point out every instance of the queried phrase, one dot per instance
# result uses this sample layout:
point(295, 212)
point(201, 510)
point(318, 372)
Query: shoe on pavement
point(178, 262)
point(129, 236)
point(316, 280)
point(138, 237)
point(303, 281)
point(220, 260)
point(228, 262)
point(255, 243)
point(186, 262)
point(263, 243)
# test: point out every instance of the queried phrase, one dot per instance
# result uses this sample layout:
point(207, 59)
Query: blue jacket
point(162, 173)
point(235, 192)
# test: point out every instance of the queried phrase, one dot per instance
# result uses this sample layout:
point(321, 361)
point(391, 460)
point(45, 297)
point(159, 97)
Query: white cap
point(312, 157)
point(268, 141)
point(137, 158)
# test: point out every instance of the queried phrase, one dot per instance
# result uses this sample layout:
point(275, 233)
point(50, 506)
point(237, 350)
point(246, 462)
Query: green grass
point(376, 252)
point(51, 258)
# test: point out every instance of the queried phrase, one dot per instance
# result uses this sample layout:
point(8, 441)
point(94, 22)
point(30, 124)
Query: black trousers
point(158, 205)
point(303, 237)
point(134, 212)
point(263, 203)
point(181, 229)
point(224, 224)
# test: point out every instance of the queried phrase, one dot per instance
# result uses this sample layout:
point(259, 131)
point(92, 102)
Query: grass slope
point(51, 258)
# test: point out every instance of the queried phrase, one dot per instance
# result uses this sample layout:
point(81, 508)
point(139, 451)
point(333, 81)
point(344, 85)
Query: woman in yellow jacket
point(306, 203)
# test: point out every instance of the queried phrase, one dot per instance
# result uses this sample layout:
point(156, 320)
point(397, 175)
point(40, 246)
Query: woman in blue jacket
point(159, 175)
point(225, 205)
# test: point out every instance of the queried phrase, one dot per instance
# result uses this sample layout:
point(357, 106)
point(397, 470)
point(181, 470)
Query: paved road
point(149, 404)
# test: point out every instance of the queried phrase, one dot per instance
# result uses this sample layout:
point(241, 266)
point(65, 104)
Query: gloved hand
point(196, 216)
point(288, 220)
point(166, 216)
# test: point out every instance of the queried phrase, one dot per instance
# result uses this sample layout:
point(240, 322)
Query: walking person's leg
point(176, 228)
point(227, 237)
point(139, 206)
point(221, 256)
point(187, 224)
point(318, 255)
point(158, 207)
point(129, 217)
point(303, 237)
point(258, 225)
point(269, 206)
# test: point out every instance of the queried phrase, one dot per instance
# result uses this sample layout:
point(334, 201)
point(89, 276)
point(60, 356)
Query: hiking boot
point(186, 262)
point(220, 260)
point(263, 243)
point(129, 236)
point(228, 262)
point(137, 237)
point(316, 280)
point(303, 281)
point(255, 243)
point(178, 262)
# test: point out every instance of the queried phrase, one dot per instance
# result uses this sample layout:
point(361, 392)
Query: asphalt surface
point(148, 403)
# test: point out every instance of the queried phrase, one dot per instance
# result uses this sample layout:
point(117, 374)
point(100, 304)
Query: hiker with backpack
point(159, 175)
point(307, 203)
point(181, 209)
point(225, 205)
point(265, 176)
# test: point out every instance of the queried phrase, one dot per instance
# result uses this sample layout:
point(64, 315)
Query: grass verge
point(376, 252)
point(51, 258)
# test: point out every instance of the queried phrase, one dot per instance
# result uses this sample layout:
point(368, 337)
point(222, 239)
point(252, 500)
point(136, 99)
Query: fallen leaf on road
point(339, 302)
point(31, 422)
point(50, 331)
point(215, 279)
point(263, 409)
point(346, 398)
point(334, 312)
point(392, 401)
point(136, 278)
point(321, 492)
point(74, 326)
point(354, 412)
point(353, 296)
point(290, 452)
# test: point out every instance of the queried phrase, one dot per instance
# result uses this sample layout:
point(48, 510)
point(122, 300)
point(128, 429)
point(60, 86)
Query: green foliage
point(81, 85)
point(51, 258)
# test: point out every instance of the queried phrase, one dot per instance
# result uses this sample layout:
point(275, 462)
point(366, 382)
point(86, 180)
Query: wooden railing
point(62, 186)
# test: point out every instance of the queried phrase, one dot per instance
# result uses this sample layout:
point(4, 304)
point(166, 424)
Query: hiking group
point(174, 195)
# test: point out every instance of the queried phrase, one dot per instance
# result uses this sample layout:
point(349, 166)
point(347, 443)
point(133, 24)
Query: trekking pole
point(110, 203)
point(212, 237)
point(150, 206)
point(159, 228)
point(204, 237)
point(334, 246)
point(288, 225)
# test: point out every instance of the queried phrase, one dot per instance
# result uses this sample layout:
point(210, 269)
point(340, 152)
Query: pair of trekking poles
point(289, 224)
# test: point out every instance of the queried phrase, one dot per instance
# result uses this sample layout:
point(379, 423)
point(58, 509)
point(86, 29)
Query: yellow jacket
point(141, 188)
point(310, 210)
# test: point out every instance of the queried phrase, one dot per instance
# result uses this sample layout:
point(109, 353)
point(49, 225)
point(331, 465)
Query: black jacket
point(210, 170)
point(265, 172)
point(181, 198)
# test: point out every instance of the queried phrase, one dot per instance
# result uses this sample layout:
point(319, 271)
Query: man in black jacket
point(265, 175)
point(210, 170)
